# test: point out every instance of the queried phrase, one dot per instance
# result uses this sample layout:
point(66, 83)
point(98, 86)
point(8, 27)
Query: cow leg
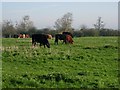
point(40, 44)
point(33, 43)
point(48, 45)
point(65, 41)
point(56, 42)
point(44, 45)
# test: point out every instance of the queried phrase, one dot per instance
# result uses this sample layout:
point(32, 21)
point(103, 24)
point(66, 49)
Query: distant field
point(91, 62)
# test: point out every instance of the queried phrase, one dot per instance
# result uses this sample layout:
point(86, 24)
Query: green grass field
point(91, 62)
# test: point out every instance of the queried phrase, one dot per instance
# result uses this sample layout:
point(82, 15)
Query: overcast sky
point(44, 14)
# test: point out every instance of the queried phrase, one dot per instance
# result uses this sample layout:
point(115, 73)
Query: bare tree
point(8, 28)
point(64, 23)
point(99, 24)
point(24, 25)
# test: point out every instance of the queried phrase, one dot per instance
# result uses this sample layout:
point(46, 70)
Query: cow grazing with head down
point(69, 39)
point(40, 38)
point(65, 36)
point(23, 36)
point(60, 37)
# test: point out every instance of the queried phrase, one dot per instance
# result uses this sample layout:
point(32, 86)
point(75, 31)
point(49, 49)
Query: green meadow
point(91, 62)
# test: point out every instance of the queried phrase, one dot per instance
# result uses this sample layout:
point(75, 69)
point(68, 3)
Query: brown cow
point(69, 39)
point(23, 36)
point(27, 36)
point(49, 36)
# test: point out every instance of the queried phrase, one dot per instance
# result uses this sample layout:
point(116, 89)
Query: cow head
point(48, 45)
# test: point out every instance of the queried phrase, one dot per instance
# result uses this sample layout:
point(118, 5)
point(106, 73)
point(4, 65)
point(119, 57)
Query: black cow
point(40, 38)
point(67, 33)
point(60, 37)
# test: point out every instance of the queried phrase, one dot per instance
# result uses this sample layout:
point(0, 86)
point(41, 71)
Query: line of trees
point(26, 26)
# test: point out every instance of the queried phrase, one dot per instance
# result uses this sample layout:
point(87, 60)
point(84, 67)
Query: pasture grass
point(91, 62)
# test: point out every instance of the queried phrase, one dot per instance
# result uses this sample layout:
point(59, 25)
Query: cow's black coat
point(40, 38)
point(60, 37)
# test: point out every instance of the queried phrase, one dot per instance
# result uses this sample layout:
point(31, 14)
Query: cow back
point(67, 33)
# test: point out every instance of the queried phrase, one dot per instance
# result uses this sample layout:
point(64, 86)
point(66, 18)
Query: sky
point(60, 0)
point(44, 14)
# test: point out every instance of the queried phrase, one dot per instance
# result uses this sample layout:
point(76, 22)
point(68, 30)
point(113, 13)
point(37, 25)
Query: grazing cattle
point(65, 36)
point(40, 38)
point(67, 33)
point(60, 37)
point(23, 36)
point(69, 39)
